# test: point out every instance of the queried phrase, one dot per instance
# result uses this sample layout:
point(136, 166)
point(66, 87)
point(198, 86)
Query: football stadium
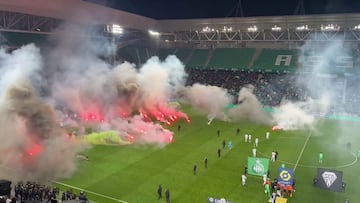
point(102, 105)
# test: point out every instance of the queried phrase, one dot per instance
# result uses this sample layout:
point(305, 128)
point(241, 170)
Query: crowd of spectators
point(271, 88)
point(35, 192)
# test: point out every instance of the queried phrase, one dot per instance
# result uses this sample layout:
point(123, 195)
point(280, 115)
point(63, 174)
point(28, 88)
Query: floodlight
point(252, 29)
point(357, 27)
point(209, 29)
point(154, 33)
point(227, 29)
point(330, 27)
point(206, 29)
point(114, 28)
point(302, 28)
point(276, 28)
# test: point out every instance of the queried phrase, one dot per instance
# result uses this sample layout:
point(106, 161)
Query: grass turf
point(132, 173)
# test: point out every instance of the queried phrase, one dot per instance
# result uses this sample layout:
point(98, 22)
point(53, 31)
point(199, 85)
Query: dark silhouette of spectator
point(179, 128)
point(195, 168)
point(223, 144)
point(205, 162)
point(63, 196)
point(219, 152)
point(32, 191)
point(218, 133)
point(83, 198)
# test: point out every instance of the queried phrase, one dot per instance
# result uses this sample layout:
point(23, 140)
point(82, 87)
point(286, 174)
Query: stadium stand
point(272, 87)
point(143, 54)
point(316, 59)
point(19, 39)
point(198, 58)
point(163, 53)
point(276, 60)
point(128, 54)
point(183, 54)
point(231, 58)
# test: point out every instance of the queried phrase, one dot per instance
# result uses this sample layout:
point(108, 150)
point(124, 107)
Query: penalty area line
point(302, 150)
point(87, 191)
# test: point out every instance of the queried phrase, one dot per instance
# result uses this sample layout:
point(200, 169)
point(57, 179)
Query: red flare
point(276, 128)
point(34, 150)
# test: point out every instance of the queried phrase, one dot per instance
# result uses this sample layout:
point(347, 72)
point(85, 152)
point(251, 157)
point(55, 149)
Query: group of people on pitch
point(273, 189)
point(167, 194)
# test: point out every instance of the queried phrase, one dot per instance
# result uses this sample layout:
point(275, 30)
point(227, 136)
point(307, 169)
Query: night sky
point(184, 9)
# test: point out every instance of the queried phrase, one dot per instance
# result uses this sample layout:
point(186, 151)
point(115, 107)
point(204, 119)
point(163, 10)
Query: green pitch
point(132, 173)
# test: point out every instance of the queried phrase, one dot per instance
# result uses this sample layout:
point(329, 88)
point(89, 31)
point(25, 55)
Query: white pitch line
point(94, 193)
point(302, 151)
point(313, 166)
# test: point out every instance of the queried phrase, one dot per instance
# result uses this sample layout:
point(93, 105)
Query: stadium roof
point(89, 12)
point(291, 22)
point(78, 11)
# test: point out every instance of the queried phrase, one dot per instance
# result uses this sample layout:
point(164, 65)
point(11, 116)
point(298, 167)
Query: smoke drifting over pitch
point(71, 85)
point(210, 100)
point(33, 145)
point(249, 108)
point(94, 90)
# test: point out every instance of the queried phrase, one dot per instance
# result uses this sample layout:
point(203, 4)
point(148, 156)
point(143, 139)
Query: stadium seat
point(183, 54)
point(19, 39)
point(276, 60)
point(143, 54)
point(129, 54)
point(231, 58)
point(163, 53)
point(198, 58)
point(325, 62)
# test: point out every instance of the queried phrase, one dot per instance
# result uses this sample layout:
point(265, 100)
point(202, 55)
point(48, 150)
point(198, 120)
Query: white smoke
point(33, 143)
point(24, 63)
point(249, 108)
point(91, 87)
point(210, 100)
point(318, 62)
point(72, 75)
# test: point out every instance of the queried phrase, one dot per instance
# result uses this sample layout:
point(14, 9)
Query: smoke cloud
point(318, 79)
point(95, 91)
point(34, 147)
point(210, 100)
point(249, 108)
point(68, 86)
